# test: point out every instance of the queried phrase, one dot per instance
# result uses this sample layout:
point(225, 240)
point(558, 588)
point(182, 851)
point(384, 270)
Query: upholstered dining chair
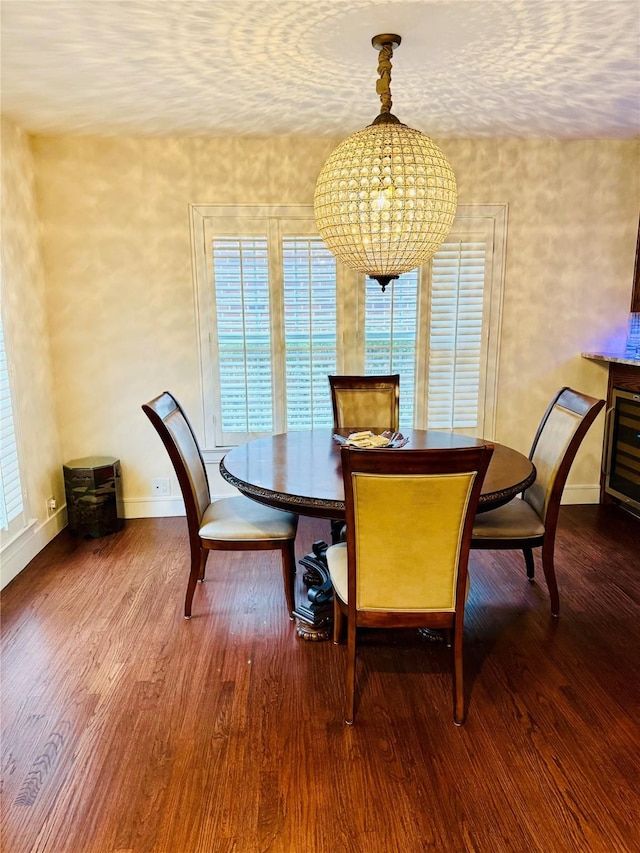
point(228, 524)
point(404, 563)
point(530, 521)
point(366, 401)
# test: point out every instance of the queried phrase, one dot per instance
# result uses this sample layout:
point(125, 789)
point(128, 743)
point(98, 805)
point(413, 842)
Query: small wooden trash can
point(94, 496)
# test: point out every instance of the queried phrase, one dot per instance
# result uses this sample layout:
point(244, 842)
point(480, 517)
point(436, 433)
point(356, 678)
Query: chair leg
point(458, 679)
point(550, 575)
point(198, 559)
point(350, 710)
point(338, 620)
point(289, 574)
point(203, 562)
point(528, 559)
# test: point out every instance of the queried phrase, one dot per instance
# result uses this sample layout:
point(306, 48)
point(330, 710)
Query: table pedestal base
point(433, 635)
point(314, 614)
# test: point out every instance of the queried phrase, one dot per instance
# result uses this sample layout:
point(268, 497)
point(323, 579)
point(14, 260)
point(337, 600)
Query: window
point(277, 313)
point(11, 500)
point(246, 365)
point(390, 335)
point(309, 281)
point(243, 327)
point(457, 334)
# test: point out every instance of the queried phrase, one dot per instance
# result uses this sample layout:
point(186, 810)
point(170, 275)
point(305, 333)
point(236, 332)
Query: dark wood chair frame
point(588, 408)
point(409, 462)
point(158, 410)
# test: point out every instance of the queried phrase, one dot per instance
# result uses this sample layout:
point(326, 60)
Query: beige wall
point(26, 323)
point(573, 219)
point(118, 271)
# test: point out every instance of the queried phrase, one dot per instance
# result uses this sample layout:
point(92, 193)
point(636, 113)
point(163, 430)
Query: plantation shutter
point(243, 331)
point(390, 335)
point(11, 505)
point(309, 277)
point(277, 314)
point(457, 339)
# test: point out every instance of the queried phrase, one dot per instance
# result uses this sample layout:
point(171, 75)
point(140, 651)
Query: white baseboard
point(18, 553)
point(580, 495)
point(163, 507)
point(153, 507)
point(158, 507)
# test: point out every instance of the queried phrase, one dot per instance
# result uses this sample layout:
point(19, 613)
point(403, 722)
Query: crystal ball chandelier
point(386, 197)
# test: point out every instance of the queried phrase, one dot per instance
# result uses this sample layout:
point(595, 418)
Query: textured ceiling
point(519, 68)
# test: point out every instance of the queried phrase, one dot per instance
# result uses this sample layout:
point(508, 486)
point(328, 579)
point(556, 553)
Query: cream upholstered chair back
point(408, 539)
point(409, 517)
point(227, 524)
point(532, 522)
point(559, 435)
point(409, 521)
point(178, 437)
point(366, 401)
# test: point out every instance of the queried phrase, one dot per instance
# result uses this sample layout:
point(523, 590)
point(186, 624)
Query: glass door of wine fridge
point(623, 448)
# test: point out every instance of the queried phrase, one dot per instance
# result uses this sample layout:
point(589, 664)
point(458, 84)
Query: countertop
point(618, 357)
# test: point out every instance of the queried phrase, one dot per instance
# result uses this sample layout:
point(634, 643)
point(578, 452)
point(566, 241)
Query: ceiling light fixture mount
point(386, 197)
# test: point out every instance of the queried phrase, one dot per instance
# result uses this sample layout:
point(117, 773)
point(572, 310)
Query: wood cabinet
point(625, 376)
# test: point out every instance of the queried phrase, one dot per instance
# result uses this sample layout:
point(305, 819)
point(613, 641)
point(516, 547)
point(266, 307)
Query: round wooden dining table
point(301, 471)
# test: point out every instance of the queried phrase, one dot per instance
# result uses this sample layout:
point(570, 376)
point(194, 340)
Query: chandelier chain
point(383, 85)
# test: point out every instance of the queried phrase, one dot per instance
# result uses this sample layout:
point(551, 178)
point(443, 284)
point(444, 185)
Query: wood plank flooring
point(126, 729)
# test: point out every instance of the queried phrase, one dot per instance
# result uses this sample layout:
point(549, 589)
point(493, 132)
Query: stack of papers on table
point(371, 440)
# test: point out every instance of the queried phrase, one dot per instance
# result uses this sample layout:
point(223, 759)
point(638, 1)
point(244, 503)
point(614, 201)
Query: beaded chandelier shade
point(386, 197)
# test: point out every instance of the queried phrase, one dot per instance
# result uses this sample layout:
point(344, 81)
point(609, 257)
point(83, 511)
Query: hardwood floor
point(128, 729)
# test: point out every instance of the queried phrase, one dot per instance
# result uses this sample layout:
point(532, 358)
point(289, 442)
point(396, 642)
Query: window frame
point(298, 220)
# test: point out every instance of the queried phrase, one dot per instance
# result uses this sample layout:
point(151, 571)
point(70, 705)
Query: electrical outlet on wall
point(52, 505)
point(161, 486)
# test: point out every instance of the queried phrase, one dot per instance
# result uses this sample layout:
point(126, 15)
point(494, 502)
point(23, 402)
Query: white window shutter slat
point(241, 284)
point(456, 335)
point(11, 504)
point(309, 277)
point(390, 331)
